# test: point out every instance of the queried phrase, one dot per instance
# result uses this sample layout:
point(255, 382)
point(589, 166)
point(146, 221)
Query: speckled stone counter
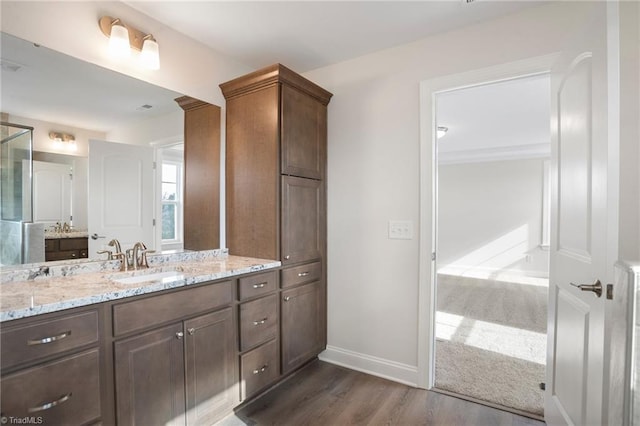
point(50, 235)
point(81, 284)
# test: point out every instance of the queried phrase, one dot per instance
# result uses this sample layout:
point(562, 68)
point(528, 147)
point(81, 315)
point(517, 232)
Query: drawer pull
point(261, 369)
point(179, 335)
point(261, 285)
point(48, 405)
point(191, 331)
point(287, 298)
point(49, 339)
point(303, 274)
point(262, 321)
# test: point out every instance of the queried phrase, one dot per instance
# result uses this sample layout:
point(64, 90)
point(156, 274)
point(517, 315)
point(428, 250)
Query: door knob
point(595, 287)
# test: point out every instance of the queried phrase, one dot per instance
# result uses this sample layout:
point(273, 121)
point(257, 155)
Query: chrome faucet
point(43, 270)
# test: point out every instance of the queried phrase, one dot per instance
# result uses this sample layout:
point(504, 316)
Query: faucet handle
point(109, 253)
point(125, 264)
point(144, 263)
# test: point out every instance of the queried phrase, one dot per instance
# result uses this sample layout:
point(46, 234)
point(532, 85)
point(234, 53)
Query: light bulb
point(119, 41)
point(150, 55)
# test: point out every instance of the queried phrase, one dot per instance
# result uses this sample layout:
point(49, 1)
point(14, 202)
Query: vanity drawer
point(22, 344)
point(74, 243)
point(51, 244)
point(301, 274)
point(258, 321)
point(64, 392)
point(258, 368)
point(156, 310)
point(257, 285)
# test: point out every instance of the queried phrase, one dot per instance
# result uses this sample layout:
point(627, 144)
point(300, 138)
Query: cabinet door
point(301, 325)
point(211, 367)
point(149, 371)
point(304, 134)
point(303, 220)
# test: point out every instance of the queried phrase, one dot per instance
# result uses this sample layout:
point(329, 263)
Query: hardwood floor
point(325, 394)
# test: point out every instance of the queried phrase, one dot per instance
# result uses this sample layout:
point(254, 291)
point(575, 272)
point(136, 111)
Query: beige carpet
point(491, 340)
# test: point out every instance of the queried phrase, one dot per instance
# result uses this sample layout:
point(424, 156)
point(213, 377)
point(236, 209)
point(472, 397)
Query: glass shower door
point(16, 150)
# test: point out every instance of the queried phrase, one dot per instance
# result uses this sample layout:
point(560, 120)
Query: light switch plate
point(400, 230)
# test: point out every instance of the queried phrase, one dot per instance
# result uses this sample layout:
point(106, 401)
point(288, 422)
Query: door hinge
point(153, 222)
point(609, 291)
point(433, 256)
point(154, 165)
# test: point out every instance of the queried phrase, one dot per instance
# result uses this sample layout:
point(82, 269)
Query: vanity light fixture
point(441, 131)
point(64, 140)
point(123, 38)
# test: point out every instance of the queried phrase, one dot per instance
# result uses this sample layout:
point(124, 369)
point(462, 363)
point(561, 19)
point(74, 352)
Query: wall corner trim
point(384, 368)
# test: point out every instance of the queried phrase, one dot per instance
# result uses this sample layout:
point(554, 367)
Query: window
point(171, 202)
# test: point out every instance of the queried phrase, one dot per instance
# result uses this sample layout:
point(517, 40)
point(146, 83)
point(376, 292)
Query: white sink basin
point(165, 276)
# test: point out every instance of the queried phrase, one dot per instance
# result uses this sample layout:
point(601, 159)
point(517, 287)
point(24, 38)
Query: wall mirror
point(53, 92)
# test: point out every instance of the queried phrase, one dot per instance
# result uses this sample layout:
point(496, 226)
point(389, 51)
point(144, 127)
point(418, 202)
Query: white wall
point(165, 128)
point(490, 219)
point(630, 130)
point(373, 176)
point(42, 142)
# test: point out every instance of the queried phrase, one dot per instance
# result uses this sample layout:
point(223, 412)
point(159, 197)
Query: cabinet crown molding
point(268, 76)
point(188, 103)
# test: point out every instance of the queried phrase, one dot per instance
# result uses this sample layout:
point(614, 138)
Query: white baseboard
point(390, 370)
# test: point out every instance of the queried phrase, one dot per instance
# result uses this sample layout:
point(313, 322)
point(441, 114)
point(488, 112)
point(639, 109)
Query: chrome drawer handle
point(49, 339)
point(287, 298)
point(287, 257)
point(303, 274)
point(261, 369)
point(179, 335)
point(261, 285)
point(262, 321)
point(191, 331)
point(48, 405)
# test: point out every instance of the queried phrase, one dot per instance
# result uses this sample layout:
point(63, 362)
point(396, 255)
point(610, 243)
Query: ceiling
point(306, 35)
point(57, 88)
point(508, 119)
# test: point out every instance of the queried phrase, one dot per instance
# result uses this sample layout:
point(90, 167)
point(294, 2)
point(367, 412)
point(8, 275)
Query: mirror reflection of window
point(171, 199)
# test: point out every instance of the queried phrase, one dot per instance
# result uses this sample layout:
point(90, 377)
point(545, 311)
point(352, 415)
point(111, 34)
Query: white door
point(120, 195)
point(51, 192)
point(583, 246)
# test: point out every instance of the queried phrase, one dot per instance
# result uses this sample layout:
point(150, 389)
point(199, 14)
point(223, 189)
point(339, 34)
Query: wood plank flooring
point(325, 394)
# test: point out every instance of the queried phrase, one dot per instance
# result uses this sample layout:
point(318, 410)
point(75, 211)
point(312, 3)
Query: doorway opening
point(491, 227)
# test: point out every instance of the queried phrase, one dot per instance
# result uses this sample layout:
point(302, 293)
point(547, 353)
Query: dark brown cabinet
point(211, 378)
point(259, 331)
point(182, 372)
point(201, 174)
point(66, 248)
point(149, 372)
point(303, 225)
point(302, 329)
point(52, 368)
point(304, 134)
point(276, 197)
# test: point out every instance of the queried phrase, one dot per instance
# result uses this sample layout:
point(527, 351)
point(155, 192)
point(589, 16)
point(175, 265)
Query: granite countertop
point(50, 235)
point(70, 286)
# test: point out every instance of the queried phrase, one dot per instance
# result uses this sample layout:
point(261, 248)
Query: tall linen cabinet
point(276, 141)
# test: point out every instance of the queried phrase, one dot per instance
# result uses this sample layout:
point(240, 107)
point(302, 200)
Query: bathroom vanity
point(185, 341)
